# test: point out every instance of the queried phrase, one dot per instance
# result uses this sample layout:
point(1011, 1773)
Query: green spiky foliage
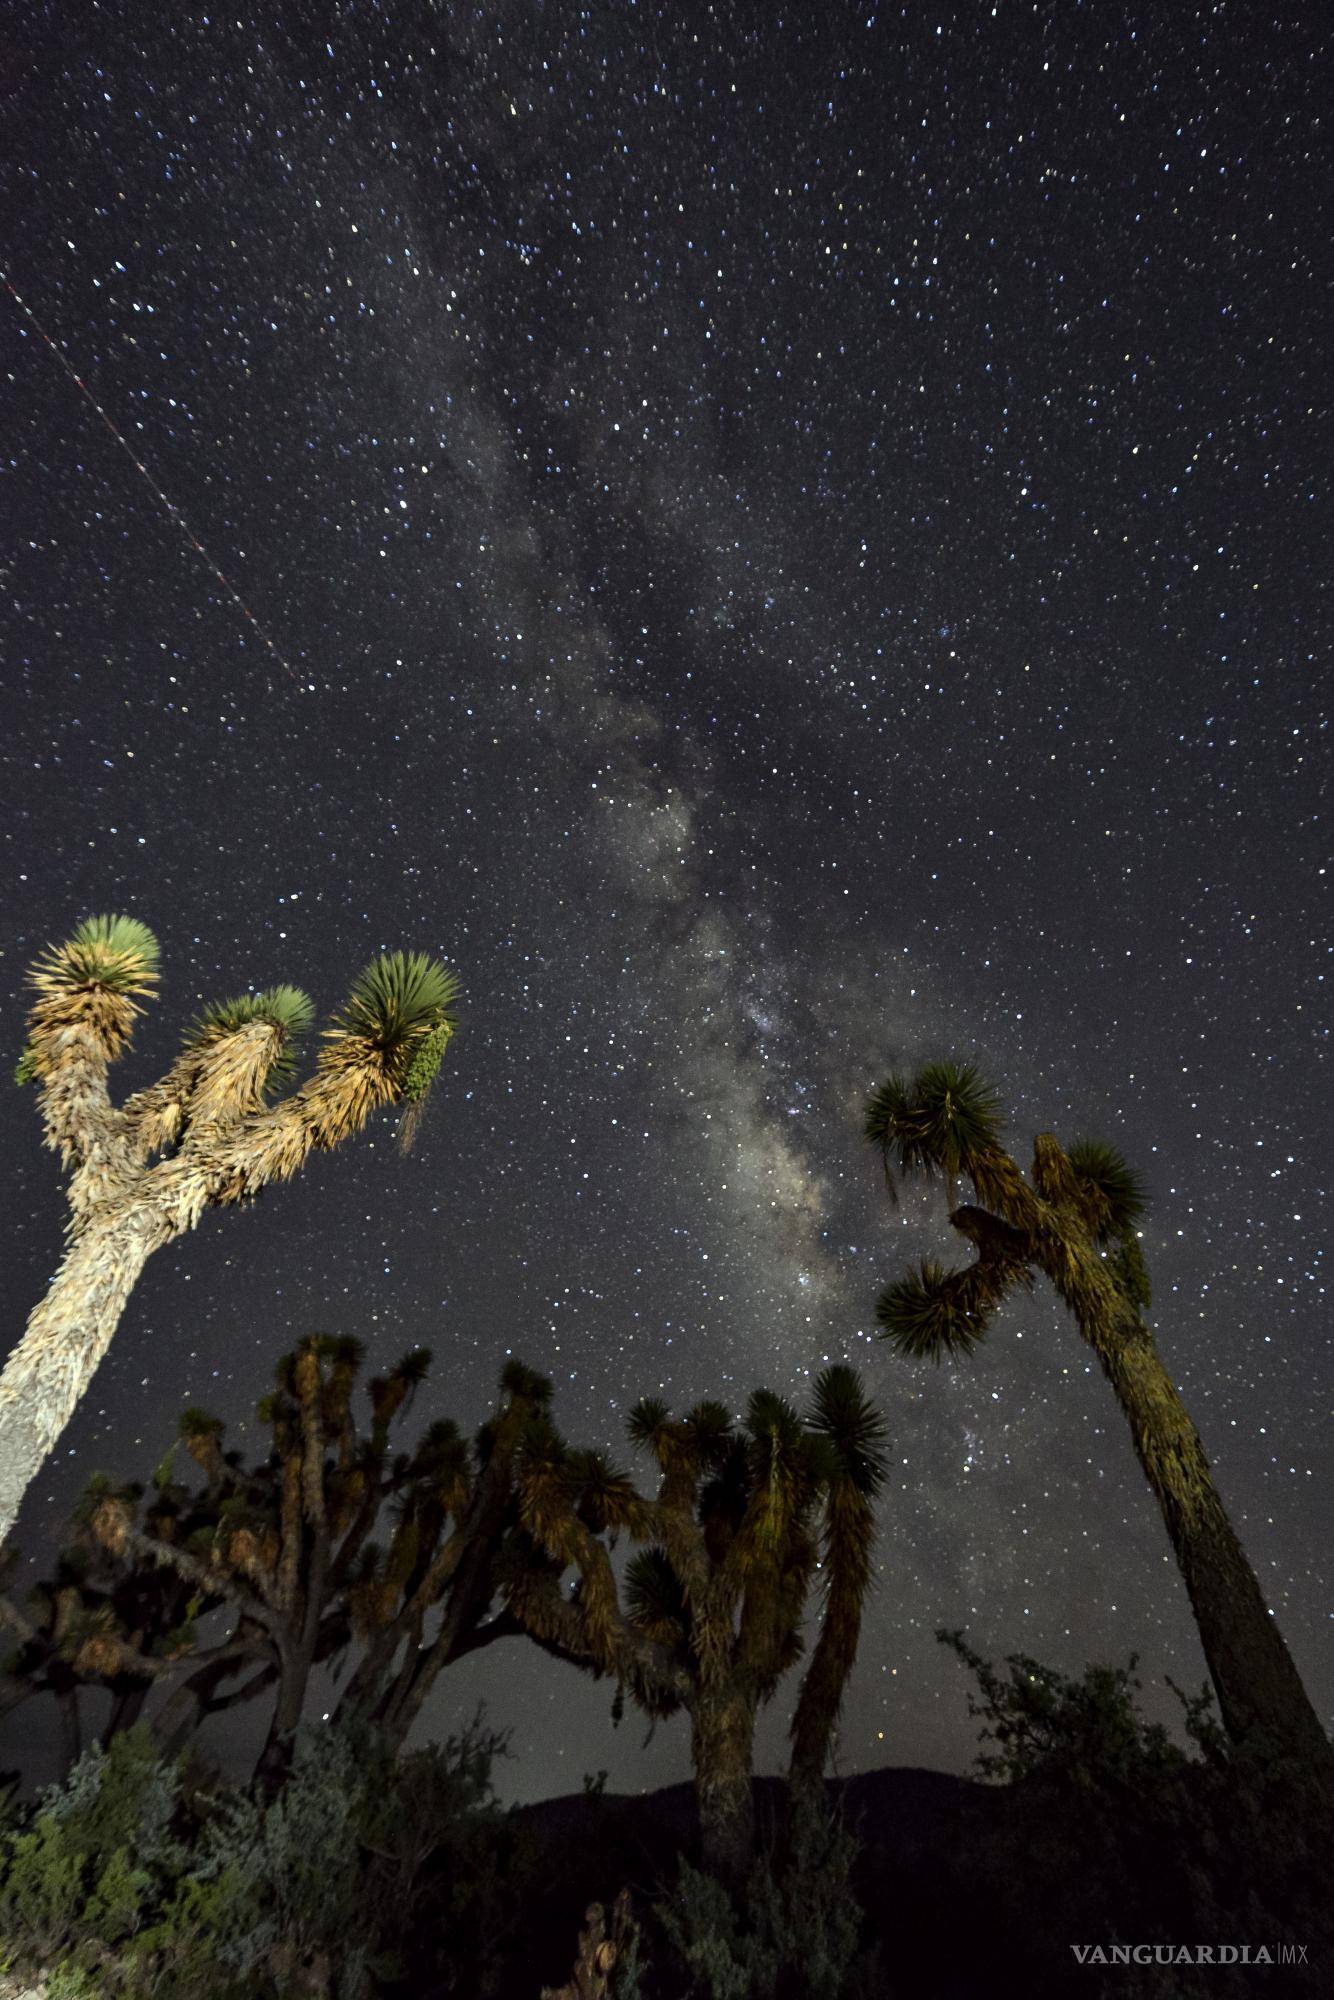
point(709, 1427)
point(402, 1010)
point(25, 1069)
point(655, 1599)
point(116, 954)
point(516, 1379)
point(851, 1424)
point(285, 1008)
point(1119, 1195)
point(942, 1121)
point(647, 1423)
point(1073, 1221)
point(397, 1004)
point(930, 1314)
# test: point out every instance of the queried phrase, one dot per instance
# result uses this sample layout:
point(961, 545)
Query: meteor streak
point(169, 506)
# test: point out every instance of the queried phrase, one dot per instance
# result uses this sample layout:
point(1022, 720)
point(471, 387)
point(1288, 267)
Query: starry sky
point(781, 542)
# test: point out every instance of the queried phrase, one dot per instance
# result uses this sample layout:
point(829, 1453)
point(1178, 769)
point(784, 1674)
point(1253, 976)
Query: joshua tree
point(202, 1136)
point(711, 1609)
point(287, 1548)
point(1075, 1223)
point(117, 1627)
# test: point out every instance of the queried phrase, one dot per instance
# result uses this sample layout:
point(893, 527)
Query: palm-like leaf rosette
point(387, 1043)
point(945, 1120)
point(91, 982)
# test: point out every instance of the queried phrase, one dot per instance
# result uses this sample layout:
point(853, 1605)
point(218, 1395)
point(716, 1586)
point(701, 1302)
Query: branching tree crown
point(205, 1135)
point(708, 1619)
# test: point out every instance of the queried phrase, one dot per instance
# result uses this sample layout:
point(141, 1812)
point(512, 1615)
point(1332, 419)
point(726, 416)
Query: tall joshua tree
point(709, 1616)
point(1074, 1222)
point(204, 1136)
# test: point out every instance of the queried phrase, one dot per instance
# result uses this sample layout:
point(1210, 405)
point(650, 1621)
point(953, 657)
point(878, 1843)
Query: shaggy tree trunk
point(71, 1729)
point(1260, 1692)
point(275, 1759)
point(126, 1708)
point(722, 1751)
point(66, 1337)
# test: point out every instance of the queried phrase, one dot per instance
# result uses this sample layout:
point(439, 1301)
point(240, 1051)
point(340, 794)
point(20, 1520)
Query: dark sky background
point(799, 540)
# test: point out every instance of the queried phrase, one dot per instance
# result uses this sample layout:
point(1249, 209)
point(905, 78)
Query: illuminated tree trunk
point(1260, 1692)
point(66, 1337)
point(722, 1749)
point(207, 1114)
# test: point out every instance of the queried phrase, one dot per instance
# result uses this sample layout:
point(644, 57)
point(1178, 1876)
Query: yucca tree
point(1075, 1223)
point(126, 1627)
point(204, 1136)
point(709, 1616)
point(286, 1547)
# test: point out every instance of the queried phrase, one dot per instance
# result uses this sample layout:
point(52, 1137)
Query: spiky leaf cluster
point(117, 954)
point(943, 1120)
point(654, 1598)
point(285, 1008)
point(646, 1423)
point(399, 1001)
point(932, 1313)
point(846, 1418)
point(1118, 1194)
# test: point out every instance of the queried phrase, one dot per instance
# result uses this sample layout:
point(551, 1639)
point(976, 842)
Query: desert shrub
point(84, 1871)
point(795, 1930)
point(113, 1888)
point(1124, 1833)
point(1084, 1732)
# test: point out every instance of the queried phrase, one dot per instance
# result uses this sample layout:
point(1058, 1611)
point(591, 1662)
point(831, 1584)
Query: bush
point(1086, 1733)
point(112, 1887)
point(1121, 1832)
point(794, 1932)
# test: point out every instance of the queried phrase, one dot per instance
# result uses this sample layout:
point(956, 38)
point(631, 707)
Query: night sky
point(793, 541)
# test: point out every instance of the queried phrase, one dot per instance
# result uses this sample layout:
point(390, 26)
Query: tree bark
point(1260, 1692)
point(275, 1759)
point(65, 1340)
point(722, 1752)
point(126, 1708)
point(71, 1729)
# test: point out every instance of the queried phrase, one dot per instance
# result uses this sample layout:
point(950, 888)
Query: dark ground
point(970, 1889)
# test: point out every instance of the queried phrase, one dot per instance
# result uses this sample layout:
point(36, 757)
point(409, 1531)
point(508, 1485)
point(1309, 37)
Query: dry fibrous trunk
point(275, 1759)
point(1260, 1692)
point(722, 1746)
point(66, 1338)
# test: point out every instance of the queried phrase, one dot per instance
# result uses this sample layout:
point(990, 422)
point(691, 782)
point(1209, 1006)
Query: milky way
point(802, 544)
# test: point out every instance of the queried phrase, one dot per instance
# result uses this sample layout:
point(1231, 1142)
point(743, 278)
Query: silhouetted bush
point(795, 1933)
point(1116, 1832)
